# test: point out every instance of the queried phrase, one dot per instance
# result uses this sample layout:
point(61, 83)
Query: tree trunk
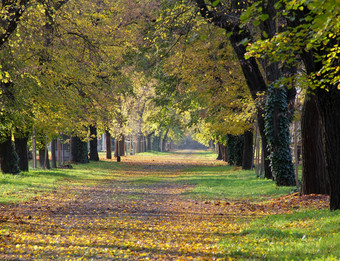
point(314, 178)
point(34, 149)
point(53, 154)
point(235, 149)
point(219, 146)
point(79, 150)
point(93, 144)
point(224, 153)
point(328, 102)
point(165, 139)
point(108, 145)
point(255, 84)
point(149, 142)
point(156, 143)
point(278, 137)
point(247, 158)
point(21, 149)
point(43, 160)
point(120, 147)
point(8, 157)
point(59, 152)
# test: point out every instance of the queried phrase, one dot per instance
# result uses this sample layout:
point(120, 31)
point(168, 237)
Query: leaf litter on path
point(119, 219)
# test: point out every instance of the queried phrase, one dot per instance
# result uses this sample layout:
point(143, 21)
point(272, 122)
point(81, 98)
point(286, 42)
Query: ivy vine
point(277, 133)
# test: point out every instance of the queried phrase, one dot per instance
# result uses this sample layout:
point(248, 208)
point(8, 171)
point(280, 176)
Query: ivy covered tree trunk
point(79, 150)
point(277, 133)
point(247, 157)
point(9, 159)
point(329, 108)
point(93, 144)
point(235, 149)
point(21, 149)
point(314, 178)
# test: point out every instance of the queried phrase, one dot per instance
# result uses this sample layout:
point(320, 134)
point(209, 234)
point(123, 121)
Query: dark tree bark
point(219, 156)
point(156, 143)
point(235, 149)
point(43, 160)
point(120, 147)
point(314, 178)
point(108, 145)
point(247, 158)
point(8, 157)
point(53, 154)
point(224, 152)
point(149, 142)
point(329, 109)
point(165, 138)
point(93, 144)
point(79, 150)
point(21, 149)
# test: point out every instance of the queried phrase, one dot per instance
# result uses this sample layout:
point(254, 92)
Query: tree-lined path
point(143, 208)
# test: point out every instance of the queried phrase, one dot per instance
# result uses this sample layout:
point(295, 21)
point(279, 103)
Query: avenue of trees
point(151, 70)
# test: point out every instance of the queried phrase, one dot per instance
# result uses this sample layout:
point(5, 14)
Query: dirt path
point(125, 218)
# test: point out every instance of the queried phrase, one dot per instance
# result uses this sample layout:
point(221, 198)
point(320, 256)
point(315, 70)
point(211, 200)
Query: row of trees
point(281, 47)
point(156, 67)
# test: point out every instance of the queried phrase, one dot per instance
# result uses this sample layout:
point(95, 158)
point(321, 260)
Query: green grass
point(308, 235)
point(16, 188)
point(216, 182)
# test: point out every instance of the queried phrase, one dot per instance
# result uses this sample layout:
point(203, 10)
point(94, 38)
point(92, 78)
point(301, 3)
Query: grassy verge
point(306, 235)
point(16, 188)
point(218, 182)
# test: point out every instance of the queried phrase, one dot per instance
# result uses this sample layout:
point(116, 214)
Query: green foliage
point(278, 137)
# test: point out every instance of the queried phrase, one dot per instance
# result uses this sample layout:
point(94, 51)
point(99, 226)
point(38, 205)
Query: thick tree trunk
point(93, 144)
point(108, 145)
point(329, 108)
point(278, 136)
point(224, 152)
point(219, 156)
point(235, 149)
point(314, 178)
point(79, 150)
point(8, 157)
point(53, 154)
point(247, 158)
point(255, 84)
point(21, 149)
